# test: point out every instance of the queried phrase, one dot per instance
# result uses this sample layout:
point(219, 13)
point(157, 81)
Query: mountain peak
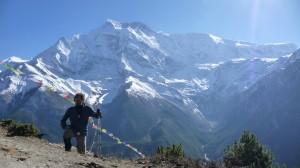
point(139, 26)
point(114, 24)
point(15, 59)
point(134, 25)
point(216, 39)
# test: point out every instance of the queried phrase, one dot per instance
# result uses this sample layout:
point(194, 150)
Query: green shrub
point(16, 129)
point(7, 123)
point(174, 150)
point(247, 152)
point(277, 165)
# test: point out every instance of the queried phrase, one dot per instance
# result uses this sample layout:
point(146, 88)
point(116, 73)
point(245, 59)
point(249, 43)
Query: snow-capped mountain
point(154, 88)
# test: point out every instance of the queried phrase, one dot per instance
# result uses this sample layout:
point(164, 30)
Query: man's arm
point(97, 114)
point(63, 121)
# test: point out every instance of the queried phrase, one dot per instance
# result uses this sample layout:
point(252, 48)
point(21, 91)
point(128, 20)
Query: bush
point(174, 156)
point(16, 129)
point(278, 166)
point(7, 123)
point(247, 152)
point(175, 150)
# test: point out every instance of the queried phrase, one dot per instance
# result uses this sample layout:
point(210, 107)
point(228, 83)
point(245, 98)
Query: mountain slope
point(155, 122)
point(270, 109)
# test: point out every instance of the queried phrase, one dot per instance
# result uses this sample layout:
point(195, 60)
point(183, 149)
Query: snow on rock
point(126, 64)
point(216, 39)
point(207, 66)
point(141, 36)
point(15, 60)
point(175, 81)
point(138, 88)
point(115, 24)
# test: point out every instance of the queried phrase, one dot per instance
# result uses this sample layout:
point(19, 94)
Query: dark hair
point(81, 95)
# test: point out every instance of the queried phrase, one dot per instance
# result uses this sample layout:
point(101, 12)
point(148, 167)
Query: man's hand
point(99, 113)
point(67, 127)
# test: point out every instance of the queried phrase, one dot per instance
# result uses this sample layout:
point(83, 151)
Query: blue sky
point(28, 27)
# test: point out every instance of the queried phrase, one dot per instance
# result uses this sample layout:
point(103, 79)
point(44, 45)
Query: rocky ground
point(33, 152)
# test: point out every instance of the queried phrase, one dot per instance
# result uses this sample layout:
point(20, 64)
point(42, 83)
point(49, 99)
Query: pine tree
point(277, 165)
point(160, 150)
point(174, 150)
point(247, 152)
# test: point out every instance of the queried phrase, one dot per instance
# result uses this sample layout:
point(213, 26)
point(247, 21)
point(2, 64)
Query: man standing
point(79, 115)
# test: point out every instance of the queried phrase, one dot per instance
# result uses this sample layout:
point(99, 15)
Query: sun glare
point(254, 15)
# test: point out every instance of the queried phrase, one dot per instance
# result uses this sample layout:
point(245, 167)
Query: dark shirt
point(79, 116)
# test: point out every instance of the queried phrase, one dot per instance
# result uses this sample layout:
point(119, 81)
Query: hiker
point(79, 115)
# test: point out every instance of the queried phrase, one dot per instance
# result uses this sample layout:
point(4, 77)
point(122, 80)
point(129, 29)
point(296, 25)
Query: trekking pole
point(96, 134)
point(100, 137)
point(93, 141)
point(99, 150)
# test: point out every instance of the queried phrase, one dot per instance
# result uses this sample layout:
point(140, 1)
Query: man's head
point(79, 99)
